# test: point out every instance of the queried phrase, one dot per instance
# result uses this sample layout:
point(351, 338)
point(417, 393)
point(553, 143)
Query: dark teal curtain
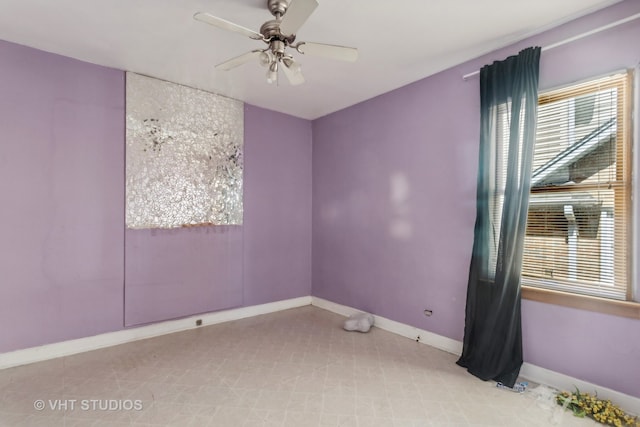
point(493, 334)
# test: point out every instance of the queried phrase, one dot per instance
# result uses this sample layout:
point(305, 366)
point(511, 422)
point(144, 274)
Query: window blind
point(579, 209)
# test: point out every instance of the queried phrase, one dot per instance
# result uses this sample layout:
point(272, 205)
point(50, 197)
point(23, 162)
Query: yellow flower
point(602, 411)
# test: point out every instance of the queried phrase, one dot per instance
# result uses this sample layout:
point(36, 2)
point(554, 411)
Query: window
point(578, 227)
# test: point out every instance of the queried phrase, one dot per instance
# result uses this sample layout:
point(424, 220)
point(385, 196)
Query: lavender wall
point(277, 206)
point(176, 273)
point(62, 251)
point(394, 206)
point(62, 192)
point(173, 273)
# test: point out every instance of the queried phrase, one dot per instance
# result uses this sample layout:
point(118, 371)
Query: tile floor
point(292, 368)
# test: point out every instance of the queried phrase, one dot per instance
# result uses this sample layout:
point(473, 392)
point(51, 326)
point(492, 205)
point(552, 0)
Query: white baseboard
point(416, 334)
point(67, 348)
point(530, 372)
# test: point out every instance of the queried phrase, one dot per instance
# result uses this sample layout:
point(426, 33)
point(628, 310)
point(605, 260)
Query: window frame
point(628, 307)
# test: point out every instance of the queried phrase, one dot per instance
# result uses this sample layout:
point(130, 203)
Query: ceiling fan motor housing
point(270, 30)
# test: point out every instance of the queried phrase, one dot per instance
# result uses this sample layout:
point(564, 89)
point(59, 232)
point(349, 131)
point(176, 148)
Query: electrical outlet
point(428, 312)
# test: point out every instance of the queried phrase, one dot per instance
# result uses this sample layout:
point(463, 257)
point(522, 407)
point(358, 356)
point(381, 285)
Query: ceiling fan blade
point(226, 25)
point(294, 74)
point(238, 60)
point(341, 53)
point(297, 14)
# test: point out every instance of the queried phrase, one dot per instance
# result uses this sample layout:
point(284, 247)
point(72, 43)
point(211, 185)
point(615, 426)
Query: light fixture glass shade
point(265, 58)
point(293, 66)
point(272, 73)
point(293, 71)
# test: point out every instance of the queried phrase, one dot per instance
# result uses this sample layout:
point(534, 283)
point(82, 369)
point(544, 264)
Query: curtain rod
point(574, 38)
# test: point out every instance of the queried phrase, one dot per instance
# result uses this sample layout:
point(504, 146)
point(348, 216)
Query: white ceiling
point(397, 46)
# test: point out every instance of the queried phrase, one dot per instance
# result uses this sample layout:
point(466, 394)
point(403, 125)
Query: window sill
point(584, 302)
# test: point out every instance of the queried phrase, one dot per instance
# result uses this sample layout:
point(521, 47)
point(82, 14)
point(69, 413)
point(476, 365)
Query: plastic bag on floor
point(360, 322)
point(546, 399)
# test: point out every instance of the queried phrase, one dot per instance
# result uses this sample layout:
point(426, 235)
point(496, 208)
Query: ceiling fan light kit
point(280, 34)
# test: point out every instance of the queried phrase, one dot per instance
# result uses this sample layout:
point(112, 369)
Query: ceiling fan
point(280, 34)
